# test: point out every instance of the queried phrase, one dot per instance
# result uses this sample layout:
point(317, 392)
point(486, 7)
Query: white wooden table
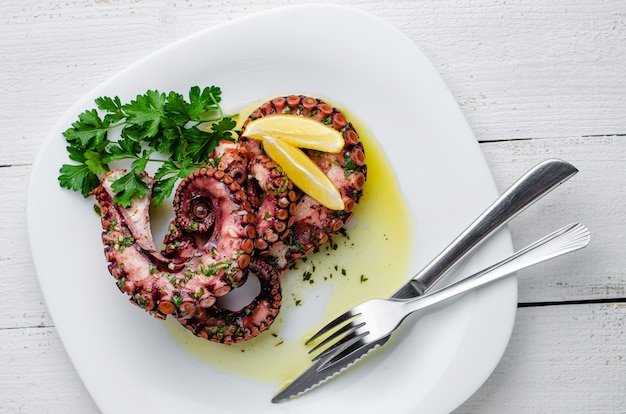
point(535, 79)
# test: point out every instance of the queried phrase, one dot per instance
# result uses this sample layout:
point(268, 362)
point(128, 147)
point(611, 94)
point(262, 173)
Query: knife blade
point(533, 185)
point(317, 374)
point(530, 187)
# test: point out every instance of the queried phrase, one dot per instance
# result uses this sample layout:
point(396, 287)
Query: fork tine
point(339, 351)
point(345, 333)
point(332, 325)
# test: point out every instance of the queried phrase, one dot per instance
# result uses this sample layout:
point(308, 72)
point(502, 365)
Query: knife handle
point(533, 185)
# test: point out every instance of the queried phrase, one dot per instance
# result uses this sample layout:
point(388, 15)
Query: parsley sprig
point(184, 130)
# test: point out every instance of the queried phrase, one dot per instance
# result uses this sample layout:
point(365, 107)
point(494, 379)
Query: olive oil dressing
point(370, 259)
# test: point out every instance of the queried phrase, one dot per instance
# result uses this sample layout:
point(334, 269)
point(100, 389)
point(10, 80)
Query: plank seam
point(571, 302)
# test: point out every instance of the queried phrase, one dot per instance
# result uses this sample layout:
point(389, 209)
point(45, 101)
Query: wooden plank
point(37, 376)
point(594, 197)
point(518, 70)
point(22, 301)
point(561, 359)
point(53, 54)
point(527, 69)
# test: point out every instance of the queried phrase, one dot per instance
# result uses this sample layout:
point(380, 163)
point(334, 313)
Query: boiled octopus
point(239, 215)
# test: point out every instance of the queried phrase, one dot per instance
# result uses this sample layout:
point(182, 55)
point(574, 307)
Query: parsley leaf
point(184, 130)
point(78, 178)
point(167, 176)
point(178, 108)
point(139, 164)
point(127, 187)
point(163, 188)
point(123, 149)
point(113, 107)
point(168, 168)
point(89, 130)
point(145, 112)
point(202, 143)
point(93, 161)
point(84, 176)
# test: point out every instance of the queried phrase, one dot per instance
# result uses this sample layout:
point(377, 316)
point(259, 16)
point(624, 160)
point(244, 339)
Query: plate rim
point(73, 109)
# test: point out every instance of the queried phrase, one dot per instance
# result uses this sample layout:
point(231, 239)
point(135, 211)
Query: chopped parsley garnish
point(186, 130)
point(306, 277)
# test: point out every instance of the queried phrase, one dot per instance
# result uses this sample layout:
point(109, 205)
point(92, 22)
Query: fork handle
point(537, 182)
point(567, 239)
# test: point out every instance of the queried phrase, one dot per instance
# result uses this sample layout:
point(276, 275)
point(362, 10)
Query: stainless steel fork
point(374, 321)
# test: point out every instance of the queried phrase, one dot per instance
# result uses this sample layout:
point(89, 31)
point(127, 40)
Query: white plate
point(130, 363)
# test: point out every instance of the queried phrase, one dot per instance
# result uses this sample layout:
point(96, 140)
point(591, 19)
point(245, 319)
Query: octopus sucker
point(132, 265)
point(224, 242)
point(240, 215)
point(199, 263)
point(273, 197)
point(227, 326)
point(312, 224)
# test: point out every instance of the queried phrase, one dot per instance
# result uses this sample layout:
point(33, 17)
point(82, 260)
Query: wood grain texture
point(22, 300)
point(37, 376)
point(594, 196)
point(535, 79)
point(561, 359)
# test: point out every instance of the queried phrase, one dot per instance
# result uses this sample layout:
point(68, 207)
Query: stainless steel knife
point(533, 185)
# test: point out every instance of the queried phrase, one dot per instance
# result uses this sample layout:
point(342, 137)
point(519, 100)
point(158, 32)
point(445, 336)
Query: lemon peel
point(304, 173)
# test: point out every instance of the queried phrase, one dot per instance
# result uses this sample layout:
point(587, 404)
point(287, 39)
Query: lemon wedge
point(299, 131)
point(303, 172)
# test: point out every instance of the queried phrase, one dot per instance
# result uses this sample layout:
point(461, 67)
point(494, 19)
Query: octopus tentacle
point(240, 216)
point(225, 254)
point(136, 218)
point(180, 246)
point(272, 195)
point(206, 266)
point(232, 158)
point(314, 224)
point(132, 265)
point(227, 326)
